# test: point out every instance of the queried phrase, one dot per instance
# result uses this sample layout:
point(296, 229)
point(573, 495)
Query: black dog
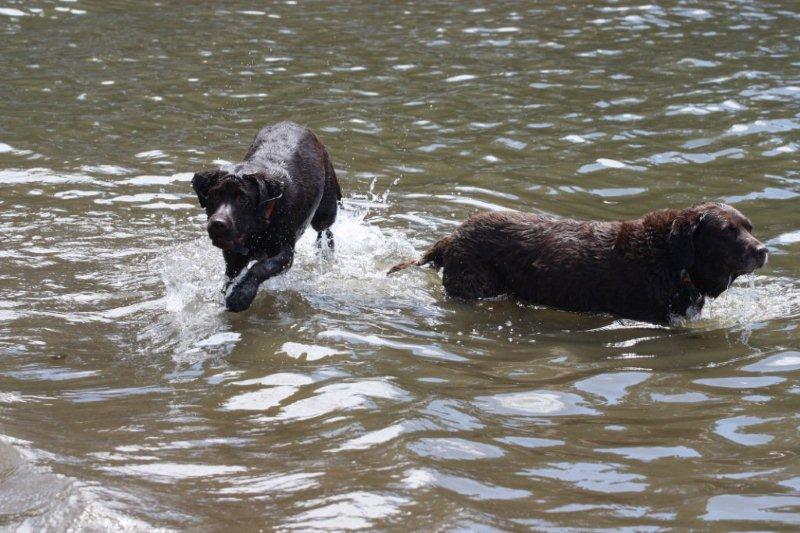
point(652, 268)
point(257, 209)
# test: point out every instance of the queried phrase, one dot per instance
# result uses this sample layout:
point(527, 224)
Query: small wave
point(36, 498)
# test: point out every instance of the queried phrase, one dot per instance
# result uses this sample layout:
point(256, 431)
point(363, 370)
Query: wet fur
point(284, 183)
point(631, 268)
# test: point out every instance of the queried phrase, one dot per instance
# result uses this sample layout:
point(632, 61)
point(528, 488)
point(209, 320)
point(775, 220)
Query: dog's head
point(237, 202)
point(715, 244)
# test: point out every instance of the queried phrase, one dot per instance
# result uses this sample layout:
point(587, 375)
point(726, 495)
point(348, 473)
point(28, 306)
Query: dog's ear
point(203, 181)
point(681, 237)
point(269, 190)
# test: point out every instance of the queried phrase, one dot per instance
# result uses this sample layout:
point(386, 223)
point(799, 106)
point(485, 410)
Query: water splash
point(350, 281)
point(751, 300)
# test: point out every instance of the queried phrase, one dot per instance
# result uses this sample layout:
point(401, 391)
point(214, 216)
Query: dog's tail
point(435, 255)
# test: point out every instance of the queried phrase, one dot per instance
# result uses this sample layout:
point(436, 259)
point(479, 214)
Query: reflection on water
point(344, 398)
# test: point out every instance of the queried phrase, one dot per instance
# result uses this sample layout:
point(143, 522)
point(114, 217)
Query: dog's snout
point(218, 226)
point(761, 256)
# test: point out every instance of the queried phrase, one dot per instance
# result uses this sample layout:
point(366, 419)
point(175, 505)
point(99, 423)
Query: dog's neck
point(687, 300)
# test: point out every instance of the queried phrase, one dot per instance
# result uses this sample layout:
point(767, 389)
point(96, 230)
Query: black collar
point(687, 295)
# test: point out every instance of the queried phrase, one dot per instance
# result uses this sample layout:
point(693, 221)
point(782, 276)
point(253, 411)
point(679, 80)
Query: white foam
point(273, 483)
point(786, 238)
point(11, 397)
point(778, 125)
point(346, 396)
point(751, 300)
point(312, 352)
point(150, 154)
point(611, 386)
point(460, 78)
point(169, 206)
point(781, 361)
point(11, 12)
point(603, 163)
point(259, 400)
point(8, 149)
point(158, 180)
point(354, 510)
point(219, 338)
point(481, 30)
point(281, 378)
point(514, 144)
point(43, 176)
point(574, 139)
point(422, 350)
point(374, 438)
point(169, 472)
point(138, 198)
point(535, 403)
point(455, 448)
point(419, 478)
point(611, 163)
point(355, 274)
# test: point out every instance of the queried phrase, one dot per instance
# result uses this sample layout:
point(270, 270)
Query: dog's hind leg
point(472, 284)
point(326, 216)
point(328, 239)
point(328, 206)
point(464, 277)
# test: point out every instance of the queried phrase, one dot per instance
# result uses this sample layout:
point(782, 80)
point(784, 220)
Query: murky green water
point(129, 397)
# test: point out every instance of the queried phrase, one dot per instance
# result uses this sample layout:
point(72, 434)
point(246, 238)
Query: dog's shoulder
point(645, 237)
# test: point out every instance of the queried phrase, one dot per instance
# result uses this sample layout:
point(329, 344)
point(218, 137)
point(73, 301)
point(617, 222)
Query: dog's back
point(295, 155)
point(570, 264)
point(651, 268)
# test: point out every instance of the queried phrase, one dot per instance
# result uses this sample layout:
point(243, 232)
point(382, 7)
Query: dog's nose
point(761, 256)
point(217, 226)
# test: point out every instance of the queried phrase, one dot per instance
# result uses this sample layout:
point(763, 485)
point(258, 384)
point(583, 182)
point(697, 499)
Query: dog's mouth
point(228, 244)
point(740, 272)
point(751, 265)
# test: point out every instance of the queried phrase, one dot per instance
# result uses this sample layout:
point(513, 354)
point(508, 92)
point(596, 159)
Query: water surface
point(346, 399)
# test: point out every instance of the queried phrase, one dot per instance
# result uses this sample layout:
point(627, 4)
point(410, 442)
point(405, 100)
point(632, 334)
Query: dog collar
point(687, 294)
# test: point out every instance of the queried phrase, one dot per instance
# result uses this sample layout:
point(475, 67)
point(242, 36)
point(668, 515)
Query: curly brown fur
point(652, 268)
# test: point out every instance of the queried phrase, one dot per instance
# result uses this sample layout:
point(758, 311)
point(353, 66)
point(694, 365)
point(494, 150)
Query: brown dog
point(257, 209)
point(652, 268)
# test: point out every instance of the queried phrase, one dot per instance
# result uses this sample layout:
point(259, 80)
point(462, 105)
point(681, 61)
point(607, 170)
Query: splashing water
point(351, 280)
point(356, 271)
point(751, 300)
point(193, 273)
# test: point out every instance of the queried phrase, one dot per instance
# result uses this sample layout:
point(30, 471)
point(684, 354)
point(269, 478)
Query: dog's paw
point(226, 286)
point(240, 296)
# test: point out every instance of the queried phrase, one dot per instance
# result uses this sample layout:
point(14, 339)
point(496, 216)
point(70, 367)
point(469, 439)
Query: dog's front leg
point(234, 264)
point(241, 294)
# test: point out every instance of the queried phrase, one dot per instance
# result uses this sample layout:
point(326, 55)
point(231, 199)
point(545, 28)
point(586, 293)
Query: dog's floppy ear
point(269, 190)
point(681, 237)
point(203, 181)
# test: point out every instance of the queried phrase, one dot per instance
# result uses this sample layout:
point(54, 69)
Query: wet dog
point(257, 209)
point(653, 268)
